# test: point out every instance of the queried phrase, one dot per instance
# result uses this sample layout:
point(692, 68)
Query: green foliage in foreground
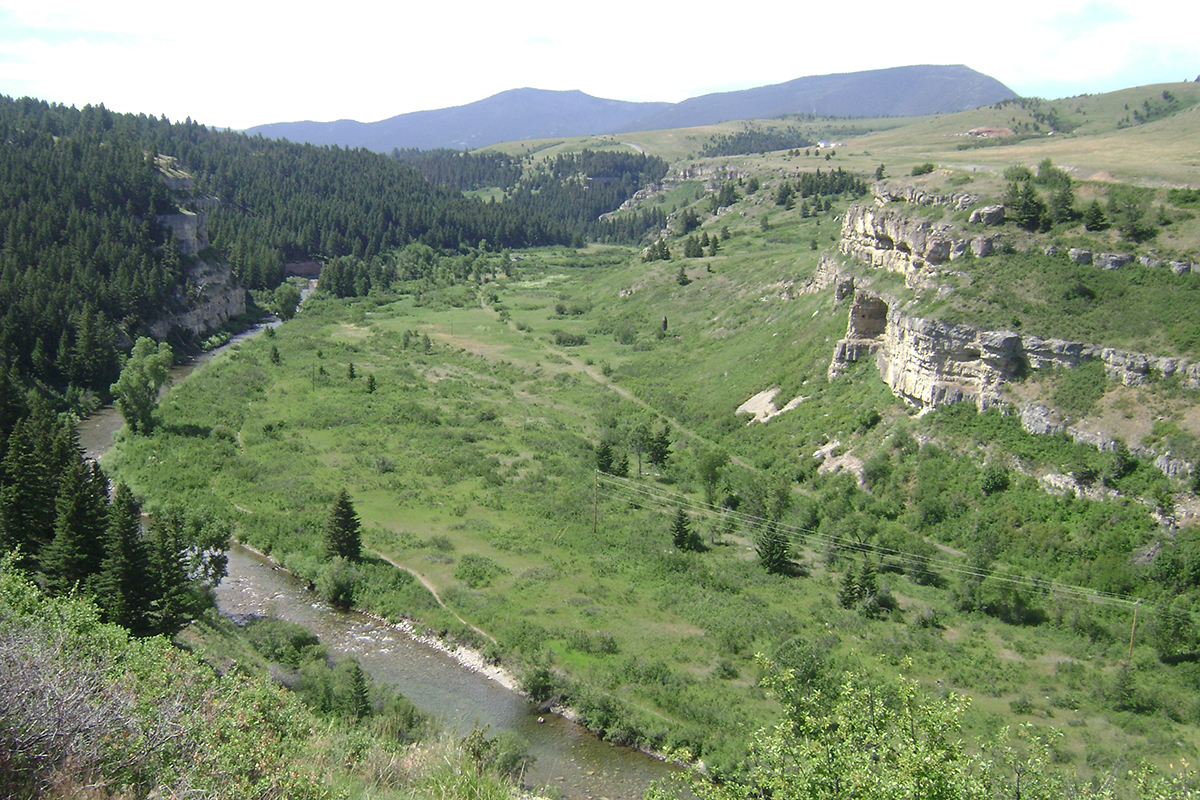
point(86, 710)
point(893, 741)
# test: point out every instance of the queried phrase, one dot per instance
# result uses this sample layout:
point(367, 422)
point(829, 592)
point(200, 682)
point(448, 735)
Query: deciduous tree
point(144, 373)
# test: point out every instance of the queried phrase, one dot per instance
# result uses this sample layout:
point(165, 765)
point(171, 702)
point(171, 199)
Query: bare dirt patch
point(762, 406)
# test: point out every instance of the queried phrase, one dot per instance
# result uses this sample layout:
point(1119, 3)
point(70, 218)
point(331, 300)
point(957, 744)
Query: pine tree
point(865, 583)
point(681, 532)
point(848, 595)
point(604, 456)
point(121, 592)
point(660, 447)
point(343, 534)
point(773, 548)
point(29, 486)
point(77, 550)
point(1094, 218)
point(172, 601)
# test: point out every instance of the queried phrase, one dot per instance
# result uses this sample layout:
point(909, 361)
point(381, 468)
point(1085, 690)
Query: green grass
point(471, 466)
point(481, 451)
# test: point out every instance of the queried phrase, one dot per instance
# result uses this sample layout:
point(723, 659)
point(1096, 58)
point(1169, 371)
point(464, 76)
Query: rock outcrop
point(929, 362)
point(211, 295)
point(885, 238)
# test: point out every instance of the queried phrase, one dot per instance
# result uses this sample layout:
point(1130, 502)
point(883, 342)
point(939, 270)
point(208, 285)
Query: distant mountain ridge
point(508, 116)
point(538, 114)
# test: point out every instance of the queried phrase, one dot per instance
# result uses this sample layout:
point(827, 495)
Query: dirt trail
point(578, 366)
point(428, 584)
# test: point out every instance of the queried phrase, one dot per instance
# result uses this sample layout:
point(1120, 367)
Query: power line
point(647, 494)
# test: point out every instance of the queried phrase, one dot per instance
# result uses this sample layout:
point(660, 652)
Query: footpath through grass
point(465, 427)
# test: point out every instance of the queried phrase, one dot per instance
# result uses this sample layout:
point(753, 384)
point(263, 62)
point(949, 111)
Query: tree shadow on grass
point(187, 431)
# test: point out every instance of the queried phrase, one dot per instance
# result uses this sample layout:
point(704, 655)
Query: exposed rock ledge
point(886, 239)
point(213, 296)
point(929, 362)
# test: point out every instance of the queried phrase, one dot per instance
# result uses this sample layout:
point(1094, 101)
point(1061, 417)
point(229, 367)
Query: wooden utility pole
point(1132, 631)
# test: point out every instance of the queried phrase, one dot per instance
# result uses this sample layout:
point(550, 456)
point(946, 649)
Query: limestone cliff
point(887, 238)
point(929, 362)
point(211, 295)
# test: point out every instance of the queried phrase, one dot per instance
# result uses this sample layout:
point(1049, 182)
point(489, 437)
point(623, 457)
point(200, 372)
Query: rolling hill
point(535, 113)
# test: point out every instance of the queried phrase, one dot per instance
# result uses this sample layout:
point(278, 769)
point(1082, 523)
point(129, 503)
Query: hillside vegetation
point(554, 438)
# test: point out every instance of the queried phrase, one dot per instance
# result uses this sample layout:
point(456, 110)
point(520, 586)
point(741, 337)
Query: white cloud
point(245, 63)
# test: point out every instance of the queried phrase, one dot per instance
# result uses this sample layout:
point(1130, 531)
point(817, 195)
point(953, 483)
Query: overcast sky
point(244, 63)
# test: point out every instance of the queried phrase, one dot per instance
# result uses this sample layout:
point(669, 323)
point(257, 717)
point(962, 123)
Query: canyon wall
point(211, 295)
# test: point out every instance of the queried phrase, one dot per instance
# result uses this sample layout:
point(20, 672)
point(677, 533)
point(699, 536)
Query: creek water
point(569, 762)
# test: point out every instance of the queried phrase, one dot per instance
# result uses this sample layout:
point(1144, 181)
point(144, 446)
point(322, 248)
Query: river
point(571, 762)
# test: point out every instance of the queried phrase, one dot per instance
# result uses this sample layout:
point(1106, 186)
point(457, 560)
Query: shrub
point(477, 570)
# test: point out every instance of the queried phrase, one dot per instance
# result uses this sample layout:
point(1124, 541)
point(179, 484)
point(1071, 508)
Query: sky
point(240, 63)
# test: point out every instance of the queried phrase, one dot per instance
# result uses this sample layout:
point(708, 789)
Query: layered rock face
point(212, 295)
point(884, 238)
point(928, 362)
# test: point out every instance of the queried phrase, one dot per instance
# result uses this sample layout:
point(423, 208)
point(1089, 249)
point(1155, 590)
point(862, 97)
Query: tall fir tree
point(121, 591)
point(172, 599)
point(681, 531)
point(343, 532)
point(773, 548)
point(77, 550)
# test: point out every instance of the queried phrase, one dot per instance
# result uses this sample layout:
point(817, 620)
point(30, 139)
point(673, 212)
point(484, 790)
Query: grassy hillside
point(467, 418)
point(471, 464)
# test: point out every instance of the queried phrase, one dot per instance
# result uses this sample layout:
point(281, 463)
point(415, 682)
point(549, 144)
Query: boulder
point(1080, 256)
point(1113, 260)
point(988, 215)
point(982, 247)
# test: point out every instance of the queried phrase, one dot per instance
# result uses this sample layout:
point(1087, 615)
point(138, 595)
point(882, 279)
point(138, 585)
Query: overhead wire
point(643, 493)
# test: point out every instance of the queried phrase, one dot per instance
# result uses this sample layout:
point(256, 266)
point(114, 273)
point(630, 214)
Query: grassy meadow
point(466, 420)
point(471, 464)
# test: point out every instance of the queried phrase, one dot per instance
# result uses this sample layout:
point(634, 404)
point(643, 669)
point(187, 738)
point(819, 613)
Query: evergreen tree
point(681, 532)
point(1062, 204)
point(773, 549)
point(29, 474)
point(848, 595)
point(660, 447)
point(343, 534)
point(783, 194)
point(77, 550)
point(865, 584)
point(358, 699)
point(1094, 218)
point(604, 456)
point(121, 592)
point(172, 600)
